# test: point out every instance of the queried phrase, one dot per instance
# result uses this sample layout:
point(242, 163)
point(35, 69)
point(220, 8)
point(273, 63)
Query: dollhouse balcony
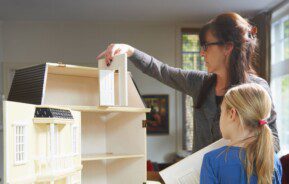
point(48, 168)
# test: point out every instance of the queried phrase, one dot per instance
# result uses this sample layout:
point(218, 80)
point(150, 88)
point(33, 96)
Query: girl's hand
point(115, 49)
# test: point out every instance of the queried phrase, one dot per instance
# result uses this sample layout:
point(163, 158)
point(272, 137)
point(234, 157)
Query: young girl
point(249, 157)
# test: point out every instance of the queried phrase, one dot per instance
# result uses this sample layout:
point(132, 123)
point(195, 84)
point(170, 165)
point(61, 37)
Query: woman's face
point(214, 55)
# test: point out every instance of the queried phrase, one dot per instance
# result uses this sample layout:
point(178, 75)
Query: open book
point(187, 171)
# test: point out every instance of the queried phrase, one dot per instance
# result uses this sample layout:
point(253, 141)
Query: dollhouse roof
point(27, 85)
point(44, 112)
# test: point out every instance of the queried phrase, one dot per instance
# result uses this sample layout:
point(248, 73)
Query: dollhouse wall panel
point(94, 172)
point(125, 134)
point(134, 98)
point(17, 114)
point(119, 64)
point(93, 138)
point(71, 90)
point(129, 171)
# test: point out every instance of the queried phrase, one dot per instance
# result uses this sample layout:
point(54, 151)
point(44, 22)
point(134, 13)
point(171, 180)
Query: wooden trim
point(107, 109)
point(72, 70)
point(52, 120)
point(280, 69)
point(190, 30)
point(278, 6)
point(107, 156)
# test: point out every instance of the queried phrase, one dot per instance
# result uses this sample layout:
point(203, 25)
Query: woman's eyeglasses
point(206, 45)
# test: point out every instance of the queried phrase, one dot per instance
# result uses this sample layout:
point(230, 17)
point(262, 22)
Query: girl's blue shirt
point(224, 166)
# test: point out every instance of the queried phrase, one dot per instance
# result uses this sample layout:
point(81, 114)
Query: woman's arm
point(185, 81)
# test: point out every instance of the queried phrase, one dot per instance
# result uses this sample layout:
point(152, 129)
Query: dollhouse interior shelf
point(107, 109)
point(92, 157)
point(52, 120)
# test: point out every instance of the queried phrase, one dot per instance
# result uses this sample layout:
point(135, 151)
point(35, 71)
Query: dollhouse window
point(107, 87)
point(74, 139)
point(20, 144)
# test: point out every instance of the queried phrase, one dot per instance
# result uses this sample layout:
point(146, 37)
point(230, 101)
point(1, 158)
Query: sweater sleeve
point(186, 81)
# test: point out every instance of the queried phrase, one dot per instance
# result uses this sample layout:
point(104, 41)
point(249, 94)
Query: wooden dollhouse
point(41, 149)
point(95, 131)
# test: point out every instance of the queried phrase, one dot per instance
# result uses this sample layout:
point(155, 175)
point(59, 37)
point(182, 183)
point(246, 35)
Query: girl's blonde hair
point(253, 104)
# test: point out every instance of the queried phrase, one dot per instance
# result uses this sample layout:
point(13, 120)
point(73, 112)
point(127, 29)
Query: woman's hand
point(115, 49)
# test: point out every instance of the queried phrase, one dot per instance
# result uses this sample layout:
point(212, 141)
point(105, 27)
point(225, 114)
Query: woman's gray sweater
point(206, 118)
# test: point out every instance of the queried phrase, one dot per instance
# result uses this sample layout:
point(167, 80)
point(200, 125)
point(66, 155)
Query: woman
point(228, 45)
point(249, 156)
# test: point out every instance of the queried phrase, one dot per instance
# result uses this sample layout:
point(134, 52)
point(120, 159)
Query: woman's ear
point(228, 48)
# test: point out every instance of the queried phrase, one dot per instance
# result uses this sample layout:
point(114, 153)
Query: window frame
point(184, 31)
point(280, 67)
point(24, 142)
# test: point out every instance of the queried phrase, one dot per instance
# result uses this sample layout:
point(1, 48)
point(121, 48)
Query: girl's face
point(215, 55)
point(227, 124)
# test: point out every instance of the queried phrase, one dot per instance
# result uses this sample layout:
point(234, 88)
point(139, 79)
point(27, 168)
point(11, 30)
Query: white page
point(119, 63)
point(106, 87)
point(187, 171)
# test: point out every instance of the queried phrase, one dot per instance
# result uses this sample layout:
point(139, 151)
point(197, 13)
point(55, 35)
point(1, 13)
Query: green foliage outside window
point(191, 53)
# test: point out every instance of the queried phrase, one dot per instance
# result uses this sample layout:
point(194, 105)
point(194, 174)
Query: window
point(20, 144)
point(191, 60)
point(280, 74)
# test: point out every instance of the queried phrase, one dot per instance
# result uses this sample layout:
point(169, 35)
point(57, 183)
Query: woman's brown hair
point(234, 29)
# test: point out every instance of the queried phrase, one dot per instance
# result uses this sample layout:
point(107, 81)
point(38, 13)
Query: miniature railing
point(48, 166)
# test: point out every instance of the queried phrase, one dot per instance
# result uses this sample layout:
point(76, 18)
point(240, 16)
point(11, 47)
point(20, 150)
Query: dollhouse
point(41, 148)
point(71, 124)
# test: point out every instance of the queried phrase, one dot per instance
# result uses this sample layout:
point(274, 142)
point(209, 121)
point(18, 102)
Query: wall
point(80, 42)
point(1, 105)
